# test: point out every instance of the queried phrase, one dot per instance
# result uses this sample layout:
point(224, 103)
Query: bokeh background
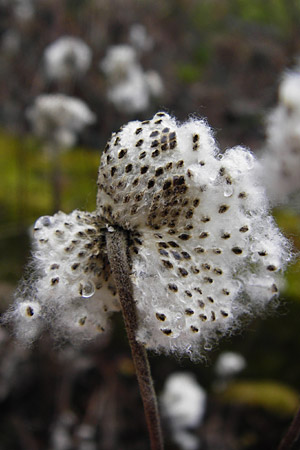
point(220, 59)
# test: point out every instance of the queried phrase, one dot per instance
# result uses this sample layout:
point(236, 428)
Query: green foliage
point(188, 73)
point(270, 395)
point(26, 191)
point(210, 15)
point(272, 12)
point(289, 222)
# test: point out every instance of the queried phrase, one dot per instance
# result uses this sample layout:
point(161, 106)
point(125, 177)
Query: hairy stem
point(292, 434)
point(117, 250)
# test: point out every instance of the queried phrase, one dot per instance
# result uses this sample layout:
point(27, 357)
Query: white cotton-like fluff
point(183, 404)
point(205, 250)
point(229, 364)
point(71, 288)
point(118, 61)
point(24, 10)
point(139, 38)
point(132, 94)
point(281, 156)
point(155, 83)
point(66, 58)
point(57, 119)
point(129, 88)
point(289, 90)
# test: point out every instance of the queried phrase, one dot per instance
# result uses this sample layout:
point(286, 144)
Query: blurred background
point(126, 59)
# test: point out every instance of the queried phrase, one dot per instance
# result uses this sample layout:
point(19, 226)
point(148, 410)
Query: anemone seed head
point(204, 250)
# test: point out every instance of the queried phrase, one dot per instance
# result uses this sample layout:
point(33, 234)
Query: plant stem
point(117, 250)
point(292, 434)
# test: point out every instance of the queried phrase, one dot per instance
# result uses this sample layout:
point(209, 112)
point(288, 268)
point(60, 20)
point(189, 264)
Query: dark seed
point(167, 264)
point(183, 272)
point(122, 153)
point(160, 317)
point(167, 332)
point(237, 250)
point(223, 208)
point(172, 287)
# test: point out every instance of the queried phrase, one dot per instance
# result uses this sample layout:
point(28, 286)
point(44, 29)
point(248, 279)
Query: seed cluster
point(204, 250)
point(281, 157)
point(206, 244)
point(73, 284)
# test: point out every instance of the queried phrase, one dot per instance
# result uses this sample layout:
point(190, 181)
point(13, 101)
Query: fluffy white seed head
point(183, 404)
point(118, 61)
point(155, 83)
point(281, 157)
point(129, 88)
point(139, 38)
point(289, 90)
point(66, 58)
point(57, 119)
point(71, 288)
point(204, 250)
point(23, 10)
point(229, 364)
point(132, 94)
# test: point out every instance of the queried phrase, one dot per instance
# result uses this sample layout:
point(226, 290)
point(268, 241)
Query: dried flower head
point(281, 158)
point(66, 58)
point(130, 88)
point(183, 404)
point(23, 10)
point(204, 249)
point(204, 252)
point(229, 364)
point(139, 37)
point(70, 288)
point(118, 61)
point(58, 118)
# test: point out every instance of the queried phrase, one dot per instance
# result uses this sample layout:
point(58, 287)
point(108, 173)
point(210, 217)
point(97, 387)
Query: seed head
point(66, 58)
point(130, 88)
point(281, 158)
point(58, 118)
point(204, 251)
point(71, 288)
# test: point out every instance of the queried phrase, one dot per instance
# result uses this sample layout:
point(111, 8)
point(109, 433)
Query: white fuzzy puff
point(139, 37)
point(58, 118)
point(71, 289)
point(183, 404)
point(289, 89)
point(118, 61)
point(281, 157)
point(130, 88)
point(205, 251)
point(229, 364)
point(66, 58)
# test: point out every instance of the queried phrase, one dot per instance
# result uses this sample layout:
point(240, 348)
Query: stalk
point(292, 434)
point(117, 250)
